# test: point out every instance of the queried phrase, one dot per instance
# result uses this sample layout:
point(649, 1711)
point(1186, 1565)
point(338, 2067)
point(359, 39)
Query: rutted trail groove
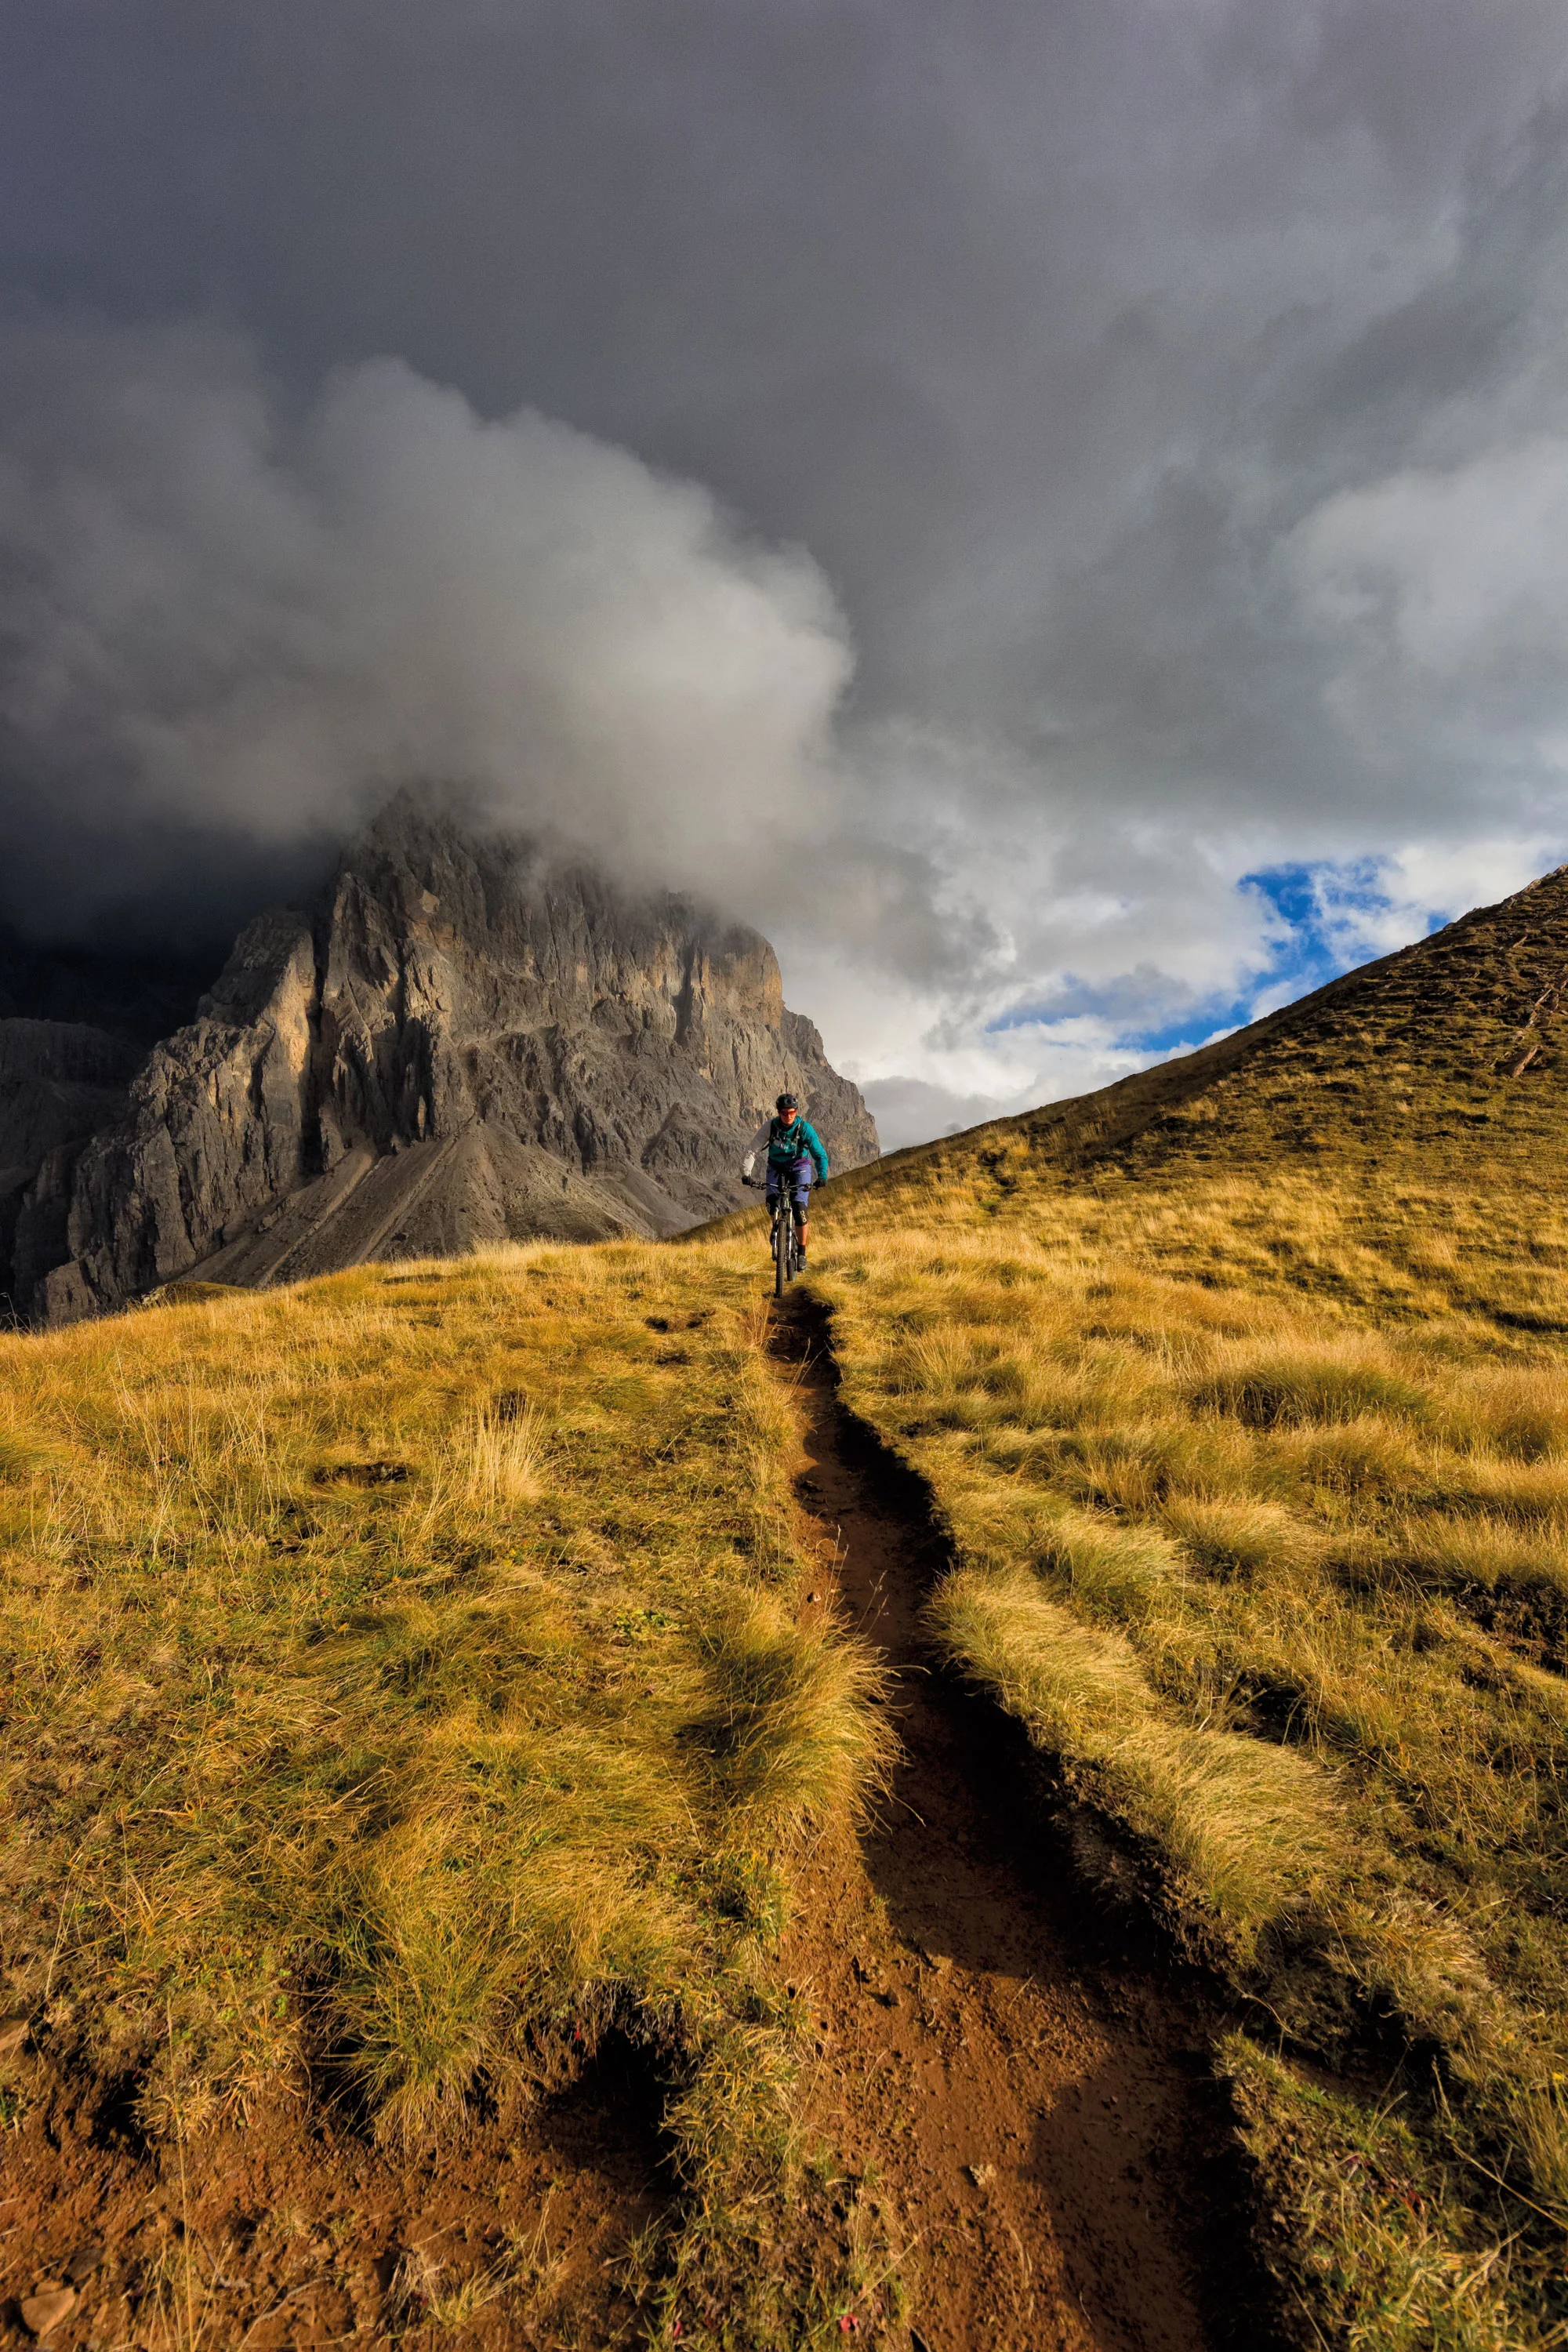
point(1031, 2115)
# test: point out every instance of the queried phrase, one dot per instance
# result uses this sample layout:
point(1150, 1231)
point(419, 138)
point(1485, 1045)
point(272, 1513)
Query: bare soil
point(1022, 2093)
point(282, 2234)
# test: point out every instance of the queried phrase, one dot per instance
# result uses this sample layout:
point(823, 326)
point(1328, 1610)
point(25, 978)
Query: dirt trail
point(1027, 2107)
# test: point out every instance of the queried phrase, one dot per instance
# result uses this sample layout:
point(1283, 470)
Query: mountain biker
point(795, 1149)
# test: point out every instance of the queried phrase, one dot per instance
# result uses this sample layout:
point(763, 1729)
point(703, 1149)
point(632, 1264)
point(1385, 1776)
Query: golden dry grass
point(1258, 1500)
point(404, 1681)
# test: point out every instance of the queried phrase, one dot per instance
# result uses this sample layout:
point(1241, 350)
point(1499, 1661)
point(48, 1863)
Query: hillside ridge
point(1459, 1036)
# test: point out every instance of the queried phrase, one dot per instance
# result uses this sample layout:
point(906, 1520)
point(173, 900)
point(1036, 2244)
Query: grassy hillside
point(404, 1683)
point(1449, 1051)
point(1242, 1392)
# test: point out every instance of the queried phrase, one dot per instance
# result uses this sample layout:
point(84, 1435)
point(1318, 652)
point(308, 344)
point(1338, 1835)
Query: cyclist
point(794, 1149)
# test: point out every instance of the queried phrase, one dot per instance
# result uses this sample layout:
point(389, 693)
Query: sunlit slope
point(1454, 1048)
point(1279, 1587)
point(404, 1680)
point(1242, 1388)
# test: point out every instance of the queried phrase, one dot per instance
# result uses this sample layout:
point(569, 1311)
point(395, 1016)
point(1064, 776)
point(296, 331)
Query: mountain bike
point(787, 1258)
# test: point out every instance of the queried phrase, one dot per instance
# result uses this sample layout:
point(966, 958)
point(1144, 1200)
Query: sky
point(1057, 514)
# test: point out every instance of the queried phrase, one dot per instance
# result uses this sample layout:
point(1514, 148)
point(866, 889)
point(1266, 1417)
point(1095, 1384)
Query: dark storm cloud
point(213, 611)
point(1141, 378)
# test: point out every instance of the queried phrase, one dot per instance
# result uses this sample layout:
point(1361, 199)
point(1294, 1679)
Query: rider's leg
point(802, 1202)
point(774, 1190)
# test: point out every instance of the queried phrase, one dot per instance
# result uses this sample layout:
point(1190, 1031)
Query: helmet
point(786, 1102)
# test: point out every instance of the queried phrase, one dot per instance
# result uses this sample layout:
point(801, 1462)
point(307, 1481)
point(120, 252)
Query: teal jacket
point(786, 1145)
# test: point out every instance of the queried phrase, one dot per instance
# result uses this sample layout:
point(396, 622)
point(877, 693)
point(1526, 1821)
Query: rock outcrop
point(60, 1082)
point(467, 1043)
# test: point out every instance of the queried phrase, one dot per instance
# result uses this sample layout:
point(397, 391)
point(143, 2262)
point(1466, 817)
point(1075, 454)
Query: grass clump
point(1369, 2243)
point(1230, 1831)
point(499, 1460)
point(1306, 1387)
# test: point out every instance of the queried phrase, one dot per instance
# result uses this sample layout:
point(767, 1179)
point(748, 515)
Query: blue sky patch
point(1321, 914)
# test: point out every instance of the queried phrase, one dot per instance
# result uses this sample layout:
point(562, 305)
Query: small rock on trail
point(47, 2308)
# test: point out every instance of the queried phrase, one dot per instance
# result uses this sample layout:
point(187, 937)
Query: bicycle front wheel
point(784, 1231)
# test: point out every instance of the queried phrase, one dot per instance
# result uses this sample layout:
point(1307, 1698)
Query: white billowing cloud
point(1437, 877)
point(213, 610)
point(1398, 899)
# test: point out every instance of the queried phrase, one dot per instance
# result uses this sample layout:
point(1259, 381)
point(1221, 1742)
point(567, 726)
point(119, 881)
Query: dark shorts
point(797, 1175)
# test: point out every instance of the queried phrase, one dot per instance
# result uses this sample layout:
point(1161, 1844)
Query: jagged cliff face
point(465, 1045)
point(60, 1082)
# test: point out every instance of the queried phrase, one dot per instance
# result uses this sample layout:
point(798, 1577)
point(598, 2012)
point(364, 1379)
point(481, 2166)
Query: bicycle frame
point(787, 1239)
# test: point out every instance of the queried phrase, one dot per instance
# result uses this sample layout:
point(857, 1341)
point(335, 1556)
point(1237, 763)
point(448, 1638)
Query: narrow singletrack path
point(1027, 2109)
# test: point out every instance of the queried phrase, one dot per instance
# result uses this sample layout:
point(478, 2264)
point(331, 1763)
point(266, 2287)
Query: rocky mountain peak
point(466, 1040)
